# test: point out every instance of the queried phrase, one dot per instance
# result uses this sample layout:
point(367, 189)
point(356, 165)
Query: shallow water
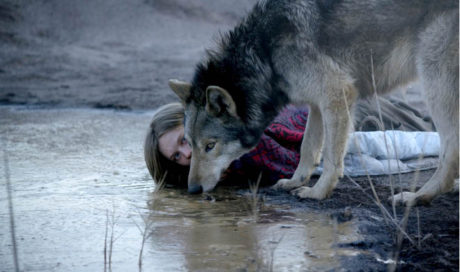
point(79, 174)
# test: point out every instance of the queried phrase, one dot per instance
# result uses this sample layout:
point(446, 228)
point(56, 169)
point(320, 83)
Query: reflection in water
point(200, 235)
point(68, 170)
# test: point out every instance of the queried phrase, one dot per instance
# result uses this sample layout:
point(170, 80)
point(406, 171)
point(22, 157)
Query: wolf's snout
point(195, 189)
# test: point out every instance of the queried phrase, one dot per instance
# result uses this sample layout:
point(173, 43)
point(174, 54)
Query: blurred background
point(105, 54)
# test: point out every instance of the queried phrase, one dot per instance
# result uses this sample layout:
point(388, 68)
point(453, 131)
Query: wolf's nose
point(195, 189)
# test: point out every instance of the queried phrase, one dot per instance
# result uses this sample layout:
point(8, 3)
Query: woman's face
point(173, 146)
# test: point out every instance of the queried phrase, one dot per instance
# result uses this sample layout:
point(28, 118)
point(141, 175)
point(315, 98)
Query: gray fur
point(327, 54)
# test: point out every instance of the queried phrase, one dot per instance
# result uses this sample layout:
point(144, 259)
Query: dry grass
point(146, 230)
point(254, 201)
point(110, 224)
point(405, 218)
point(254, 204)
point(146, 233)
point(391, 219)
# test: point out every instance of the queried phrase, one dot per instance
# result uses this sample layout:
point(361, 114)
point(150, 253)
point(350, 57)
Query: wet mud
point(431, 239)
point(78, 86)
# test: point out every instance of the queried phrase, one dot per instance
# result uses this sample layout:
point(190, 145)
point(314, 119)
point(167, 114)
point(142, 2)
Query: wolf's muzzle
point(195, 189)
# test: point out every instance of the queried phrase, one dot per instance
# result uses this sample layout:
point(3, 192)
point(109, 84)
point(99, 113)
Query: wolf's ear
point(182, 89)
point(219, 101)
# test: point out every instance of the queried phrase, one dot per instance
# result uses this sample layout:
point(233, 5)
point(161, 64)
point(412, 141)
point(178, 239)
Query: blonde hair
point(166, 118)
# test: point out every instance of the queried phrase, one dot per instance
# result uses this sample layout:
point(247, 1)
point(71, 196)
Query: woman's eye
point(210, 146)
point(176, 156)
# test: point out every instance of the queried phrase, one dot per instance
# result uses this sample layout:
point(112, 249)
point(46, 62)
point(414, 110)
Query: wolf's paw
point(286, 184)
point(308, 192)
point(409, 199)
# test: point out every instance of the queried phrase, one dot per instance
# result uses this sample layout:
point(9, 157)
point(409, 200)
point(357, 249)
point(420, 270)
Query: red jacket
point(278, 152)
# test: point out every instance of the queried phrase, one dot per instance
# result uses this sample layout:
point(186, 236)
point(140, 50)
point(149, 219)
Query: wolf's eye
point(210, 146)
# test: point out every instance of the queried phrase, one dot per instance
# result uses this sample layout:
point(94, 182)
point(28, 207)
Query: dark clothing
point(277, 154)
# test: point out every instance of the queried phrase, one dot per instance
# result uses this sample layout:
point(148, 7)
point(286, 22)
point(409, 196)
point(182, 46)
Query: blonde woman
point(165, 125)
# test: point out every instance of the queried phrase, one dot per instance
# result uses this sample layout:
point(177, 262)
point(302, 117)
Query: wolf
point(326, 54)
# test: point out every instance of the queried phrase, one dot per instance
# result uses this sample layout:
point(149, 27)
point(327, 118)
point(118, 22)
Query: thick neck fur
point(242, 66)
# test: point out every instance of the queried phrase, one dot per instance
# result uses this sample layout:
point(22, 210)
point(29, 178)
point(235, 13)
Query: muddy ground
point(433, 229)
point(118, 55)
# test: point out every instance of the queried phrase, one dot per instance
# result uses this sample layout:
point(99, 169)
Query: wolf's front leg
point(310, 152)
point(336, 119)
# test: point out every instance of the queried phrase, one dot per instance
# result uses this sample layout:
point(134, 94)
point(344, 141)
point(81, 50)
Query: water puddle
point(78, 176)
point(227, 235)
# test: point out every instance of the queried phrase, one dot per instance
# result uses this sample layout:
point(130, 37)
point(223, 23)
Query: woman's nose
point(187, 151)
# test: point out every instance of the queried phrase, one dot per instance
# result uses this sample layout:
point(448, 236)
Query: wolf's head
point(215, 132)
point(234, 96)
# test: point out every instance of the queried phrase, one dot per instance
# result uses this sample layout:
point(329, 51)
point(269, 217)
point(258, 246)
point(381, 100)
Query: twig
point(384, 211)
point(108, 244)
point(148, 224)
point(10, 206)
point(145, 235)
point(399, 172)
point(105, 239)
point(111, 240)
point(419, 232)
point(406, 212)
point(379, 110)
point(405, 218)
point(374, 192)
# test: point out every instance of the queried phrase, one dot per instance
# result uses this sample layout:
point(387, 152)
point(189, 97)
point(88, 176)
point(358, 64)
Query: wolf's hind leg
point(437, 64)
point(444, 107)
point(441, 182)
point(336, 119)
point(310, 152)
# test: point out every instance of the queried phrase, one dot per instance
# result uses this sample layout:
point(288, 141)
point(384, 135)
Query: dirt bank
point(115, 54)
